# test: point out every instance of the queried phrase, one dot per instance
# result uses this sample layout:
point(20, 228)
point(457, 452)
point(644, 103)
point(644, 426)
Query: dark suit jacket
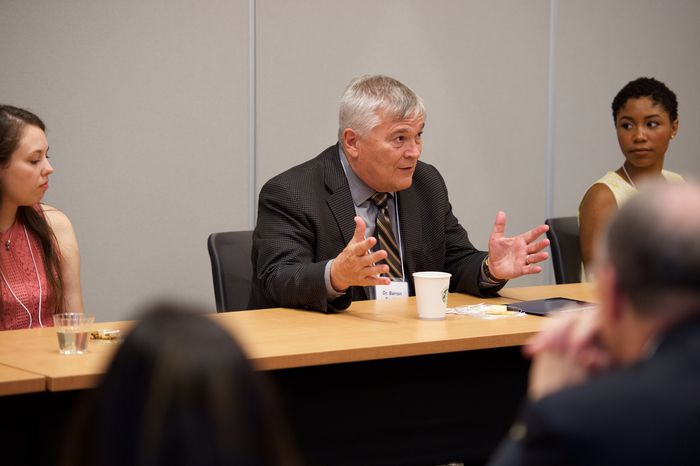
point(305, 218)
point(647, 414)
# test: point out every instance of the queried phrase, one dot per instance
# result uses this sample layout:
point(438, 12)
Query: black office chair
point(563, 237)
point(231, 268)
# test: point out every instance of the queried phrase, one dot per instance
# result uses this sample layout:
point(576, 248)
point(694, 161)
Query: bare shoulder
point(57, 220)
point(597, 206)
point(598, 197)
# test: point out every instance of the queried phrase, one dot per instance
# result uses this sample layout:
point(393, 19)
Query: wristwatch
point(488, 273)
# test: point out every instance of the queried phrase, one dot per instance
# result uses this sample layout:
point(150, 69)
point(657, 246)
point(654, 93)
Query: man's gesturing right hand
point(355, 265)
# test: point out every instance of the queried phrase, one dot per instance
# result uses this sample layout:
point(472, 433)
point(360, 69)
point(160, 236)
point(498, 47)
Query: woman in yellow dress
point(645, 113)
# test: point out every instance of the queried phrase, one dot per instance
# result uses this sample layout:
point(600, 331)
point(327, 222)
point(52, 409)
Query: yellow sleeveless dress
point(623, 190)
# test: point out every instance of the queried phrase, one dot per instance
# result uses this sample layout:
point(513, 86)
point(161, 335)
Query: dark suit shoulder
point(297, 232)
point(426, 172)
point(631, 387)
point(430, 188)
point(310, 169)
point(302, 184)
point(648, 413)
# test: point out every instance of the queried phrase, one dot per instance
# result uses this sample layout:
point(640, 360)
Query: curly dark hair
point(647, 87)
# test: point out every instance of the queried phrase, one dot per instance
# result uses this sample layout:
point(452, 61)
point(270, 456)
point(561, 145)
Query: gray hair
point(366, 95)
point(654, 245)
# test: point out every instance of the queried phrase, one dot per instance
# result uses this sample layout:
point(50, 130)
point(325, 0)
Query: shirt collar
point(358, 189)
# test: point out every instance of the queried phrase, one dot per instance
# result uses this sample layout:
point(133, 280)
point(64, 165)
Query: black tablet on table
point(543, 307)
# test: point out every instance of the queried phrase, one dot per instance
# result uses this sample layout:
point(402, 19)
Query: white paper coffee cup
point(431, 294)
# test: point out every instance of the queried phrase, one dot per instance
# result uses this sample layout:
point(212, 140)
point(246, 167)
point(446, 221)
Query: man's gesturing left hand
point(517, 255)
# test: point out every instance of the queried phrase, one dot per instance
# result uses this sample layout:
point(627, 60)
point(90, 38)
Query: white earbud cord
point(38, 280)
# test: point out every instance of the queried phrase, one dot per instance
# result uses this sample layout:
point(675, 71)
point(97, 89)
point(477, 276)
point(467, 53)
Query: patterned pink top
point(21, 275)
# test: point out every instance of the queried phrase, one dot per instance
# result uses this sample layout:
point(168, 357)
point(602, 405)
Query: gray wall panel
point(147, 113)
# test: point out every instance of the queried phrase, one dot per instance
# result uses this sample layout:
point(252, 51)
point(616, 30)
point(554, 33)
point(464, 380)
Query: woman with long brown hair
point(39, 258)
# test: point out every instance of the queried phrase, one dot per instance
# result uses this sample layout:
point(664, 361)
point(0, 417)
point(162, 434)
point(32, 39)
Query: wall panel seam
point(252, 113)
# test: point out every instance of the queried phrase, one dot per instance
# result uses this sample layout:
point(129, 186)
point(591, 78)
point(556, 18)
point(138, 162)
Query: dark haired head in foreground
point(180, 391)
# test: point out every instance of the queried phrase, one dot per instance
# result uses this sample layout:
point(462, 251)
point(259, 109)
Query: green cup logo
point(444, 296)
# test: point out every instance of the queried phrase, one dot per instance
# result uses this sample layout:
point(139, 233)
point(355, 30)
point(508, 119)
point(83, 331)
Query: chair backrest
point(563, 237)
point(231, 268)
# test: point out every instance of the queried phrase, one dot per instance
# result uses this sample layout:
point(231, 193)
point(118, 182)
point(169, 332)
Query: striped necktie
point(385, 236)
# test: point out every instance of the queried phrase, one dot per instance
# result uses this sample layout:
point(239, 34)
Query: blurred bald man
point(620, 385)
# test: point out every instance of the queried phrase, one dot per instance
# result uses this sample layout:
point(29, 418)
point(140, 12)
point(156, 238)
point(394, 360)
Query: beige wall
point(147, 104)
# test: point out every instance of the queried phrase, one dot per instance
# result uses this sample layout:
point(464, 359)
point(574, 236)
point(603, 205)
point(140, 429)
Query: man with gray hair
point(620, 385)
point(356, 221)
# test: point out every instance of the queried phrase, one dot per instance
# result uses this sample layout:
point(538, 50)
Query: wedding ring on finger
point(527, 259)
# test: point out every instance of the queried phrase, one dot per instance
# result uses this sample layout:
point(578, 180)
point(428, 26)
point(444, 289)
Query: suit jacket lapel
point(411, 231)
point(340, 200)
point(341, 204)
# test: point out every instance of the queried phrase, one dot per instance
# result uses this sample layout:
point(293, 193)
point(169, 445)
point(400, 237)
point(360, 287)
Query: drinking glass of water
point(73, 330)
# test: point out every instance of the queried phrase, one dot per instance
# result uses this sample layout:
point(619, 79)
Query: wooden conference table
point(372, 385)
